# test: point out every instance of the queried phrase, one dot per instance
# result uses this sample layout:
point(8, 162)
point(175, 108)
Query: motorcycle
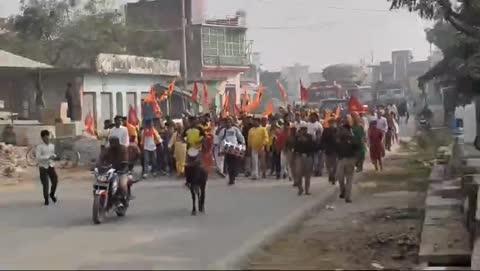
point(107, 195)
point(424, 124)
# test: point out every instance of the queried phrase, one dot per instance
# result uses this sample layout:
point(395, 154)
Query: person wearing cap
point(304, 150)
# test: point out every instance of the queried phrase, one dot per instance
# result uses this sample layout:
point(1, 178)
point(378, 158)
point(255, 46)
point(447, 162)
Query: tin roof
point(8, 59)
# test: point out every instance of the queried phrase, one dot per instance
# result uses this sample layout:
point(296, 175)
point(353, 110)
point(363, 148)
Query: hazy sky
point(317, 32)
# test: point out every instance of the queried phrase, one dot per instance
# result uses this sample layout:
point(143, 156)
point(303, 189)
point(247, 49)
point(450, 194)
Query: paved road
point(157, 233)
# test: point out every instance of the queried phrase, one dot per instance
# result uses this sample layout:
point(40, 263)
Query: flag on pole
point(226, 104)
point(269, 109)
point(206, 101)
point(354, 105)
point(195, 92)
point(132, 116)
point(303, 92)
point(283, 91)
point(171, 88)
point(151, 100)
point(90, 124)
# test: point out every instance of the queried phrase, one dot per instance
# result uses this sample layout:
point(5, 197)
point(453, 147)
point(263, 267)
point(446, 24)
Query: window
point(131, 100)
point(222, 41)
point(120, 104)
point(106, 109)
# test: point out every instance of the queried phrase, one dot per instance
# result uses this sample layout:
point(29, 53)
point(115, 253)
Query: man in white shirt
point(45, 153)
point(315, 129)
point(382, 123)
point(120, 132)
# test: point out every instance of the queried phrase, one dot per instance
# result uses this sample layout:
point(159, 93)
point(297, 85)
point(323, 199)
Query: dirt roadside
point(381, 229)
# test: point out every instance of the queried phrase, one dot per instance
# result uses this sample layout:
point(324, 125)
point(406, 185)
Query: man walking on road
point(45, 154)
point(328, 143)
point(347, 150)
point(233, 135)
point(304, 149)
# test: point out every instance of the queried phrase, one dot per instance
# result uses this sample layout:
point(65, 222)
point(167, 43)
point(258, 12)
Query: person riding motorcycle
point(426, 113)
point(117, 156)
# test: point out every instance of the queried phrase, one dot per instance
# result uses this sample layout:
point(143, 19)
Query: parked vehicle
point(107, 195)
point(332, 104)
point(387, 96)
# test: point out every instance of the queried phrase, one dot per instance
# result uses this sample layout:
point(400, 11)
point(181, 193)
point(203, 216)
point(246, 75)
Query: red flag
point(354, 105)
point(338, 112)
point(238, 111)
point(269, 109)
point(206, 101)
point(90, 124)
point(195, 92)
point(283, 91)
point(171, 88)
point(132, 116)
point(303, 92)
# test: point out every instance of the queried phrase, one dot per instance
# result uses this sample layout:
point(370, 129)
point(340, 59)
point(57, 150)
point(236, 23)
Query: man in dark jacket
point(304, 148)
point(346, 149)
point(327, 143)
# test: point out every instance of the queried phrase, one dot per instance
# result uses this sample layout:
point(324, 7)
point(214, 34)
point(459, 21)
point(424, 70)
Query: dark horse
point(196, 177)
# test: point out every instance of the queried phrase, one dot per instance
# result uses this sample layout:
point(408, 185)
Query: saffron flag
point(303, 92)
point(338, 112)
point(90, 124)
point(238, 111)
point(226, 104)
point(206, 101)
point(255, 104)
point(283, 91)
point(269, 109)
point(195, 92)
point(354, 105)
point(171, 88)
point(132, 116)
point(151, 100)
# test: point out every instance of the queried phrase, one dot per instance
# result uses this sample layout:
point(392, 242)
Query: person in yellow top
point(194, 135)
point(177, 143)
point(257, 142)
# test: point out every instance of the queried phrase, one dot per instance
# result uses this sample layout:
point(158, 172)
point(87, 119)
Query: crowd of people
point(294, 144)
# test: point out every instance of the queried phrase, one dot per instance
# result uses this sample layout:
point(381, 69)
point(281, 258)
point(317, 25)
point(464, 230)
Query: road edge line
point(239, 258)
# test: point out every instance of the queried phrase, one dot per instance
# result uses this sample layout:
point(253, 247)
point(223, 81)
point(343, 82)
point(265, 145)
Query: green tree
point(65, 34)
point(457, 34)
point(345, 73)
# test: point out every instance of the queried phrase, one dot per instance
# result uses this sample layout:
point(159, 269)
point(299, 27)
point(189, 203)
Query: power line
point(358, 9)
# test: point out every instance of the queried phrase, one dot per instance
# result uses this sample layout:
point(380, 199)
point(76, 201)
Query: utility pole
point(184, 50)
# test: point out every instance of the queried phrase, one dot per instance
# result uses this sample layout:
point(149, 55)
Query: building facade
point(218, 51)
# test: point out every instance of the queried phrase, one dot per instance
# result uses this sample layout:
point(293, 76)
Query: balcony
point(226, 61)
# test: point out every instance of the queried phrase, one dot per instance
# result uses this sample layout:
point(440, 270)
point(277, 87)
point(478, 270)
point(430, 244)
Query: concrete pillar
point(458, 151)
point(138, 104)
